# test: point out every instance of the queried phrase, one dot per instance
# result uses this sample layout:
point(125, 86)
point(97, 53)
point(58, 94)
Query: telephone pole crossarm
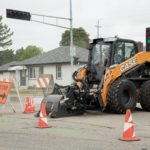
point(98, 27)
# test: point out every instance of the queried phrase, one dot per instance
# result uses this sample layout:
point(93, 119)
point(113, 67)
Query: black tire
point(50, 115)
point(37, 114)
point(145, 95)
point(122, 96)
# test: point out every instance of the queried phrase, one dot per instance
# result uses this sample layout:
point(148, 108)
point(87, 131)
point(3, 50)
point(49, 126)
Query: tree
point(18, 54)
point(6, 56)
point(30, 51)
point(5, 34)
point(80, 38)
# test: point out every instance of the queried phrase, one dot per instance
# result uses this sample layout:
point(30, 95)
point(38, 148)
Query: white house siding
point(51, 69)
point(66, 73)
point(13, 75)
point(1, 75)
point(31, 82)
point(17, 77)
point(65, 70)
point(47, 69)
point(8, 75)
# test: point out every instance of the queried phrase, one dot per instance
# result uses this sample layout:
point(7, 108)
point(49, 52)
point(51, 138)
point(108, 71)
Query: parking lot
point(92, 131)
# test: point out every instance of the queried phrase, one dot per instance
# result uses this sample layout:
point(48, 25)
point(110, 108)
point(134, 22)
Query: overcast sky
point(125, 18)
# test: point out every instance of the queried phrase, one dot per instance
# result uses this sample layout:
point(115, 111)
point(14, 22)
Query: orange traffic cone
point(128, 133)
point(43, 118)
point(27, 106)
point(32, 107)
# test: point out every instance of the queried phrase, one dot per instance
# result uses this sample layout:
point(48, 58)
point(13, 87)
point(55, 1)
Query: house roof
point(8, 65)
point(58, 55)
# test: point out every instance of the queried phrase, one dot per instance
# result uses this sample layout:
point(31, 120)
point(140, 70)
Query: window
point(101, 52)
point(129, 50)
point(119, 52)
point(124, 51)
point(35, 72)
point(31, 72)
point(58, 72)
point(41, 70)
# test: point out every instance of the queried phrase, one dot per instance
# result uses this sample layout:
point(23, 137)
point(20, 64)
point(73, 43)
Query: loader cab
point(106, 52)
point(99, 58)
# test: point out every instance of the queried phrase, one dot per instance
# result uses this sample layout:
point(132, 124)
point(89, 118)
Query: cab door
point(123, 50)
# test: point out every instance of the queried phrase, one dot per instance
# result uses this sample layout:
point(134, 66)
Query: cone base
point(43, 127)
point(130, 139)
point(28, 112)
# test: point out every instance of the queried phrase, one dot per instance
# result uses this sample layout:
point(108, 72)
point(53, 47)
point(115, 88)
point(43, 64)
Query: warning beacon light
point(16, 14)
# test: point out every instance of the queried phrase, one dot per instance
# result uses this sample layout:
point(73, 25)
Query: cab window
point(101, 51)
point(124, 51)
point(129, 50)
point(119, 50)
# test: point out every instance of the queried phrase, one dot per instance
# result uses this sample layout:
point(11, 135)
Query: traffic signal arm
point(16, 14)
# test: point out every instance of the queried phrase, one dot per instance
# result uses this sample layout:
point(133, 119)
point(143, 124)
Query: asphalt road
point(92, 131)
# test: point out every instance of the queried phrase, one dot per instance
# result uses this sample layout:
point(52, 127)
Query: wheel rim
point(127, 96)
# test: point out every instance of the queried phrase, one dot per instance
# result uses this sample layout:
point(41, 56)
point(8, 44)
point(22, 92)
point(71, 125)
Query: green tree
point(28, 52)
point(80, 38)
point(5, 35)
point(18, 54)
point(6, 56)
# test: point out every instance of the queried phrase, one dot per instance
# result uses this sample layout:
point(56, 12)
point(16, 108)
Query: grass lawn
point(27, 91)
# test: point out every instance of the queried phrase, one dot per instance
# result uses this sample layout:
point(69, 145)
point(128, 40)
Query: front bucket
point(56, 107)
point(52, 105)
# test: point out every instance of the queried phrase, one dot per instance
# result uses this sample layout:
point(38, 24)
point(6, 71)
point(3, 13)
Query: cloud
point(125, 18)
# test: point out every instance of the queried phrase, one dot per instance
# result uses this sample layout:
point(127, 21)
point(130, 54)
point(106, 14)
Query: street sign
point(4, 90)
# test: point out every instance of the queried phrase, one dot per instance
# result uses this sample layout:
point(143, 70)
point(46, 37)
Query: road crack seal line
point(6, 121)
point(91, 124)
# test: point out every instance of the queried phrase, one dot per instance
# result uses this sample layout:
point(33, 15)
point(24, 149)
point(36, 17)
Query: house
point(7, 71)
point(4, 70)
point(55, 62)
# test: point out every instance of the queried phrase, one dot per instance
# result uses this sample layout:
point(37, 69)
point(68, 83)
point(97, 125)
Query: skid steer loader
point(116, 77)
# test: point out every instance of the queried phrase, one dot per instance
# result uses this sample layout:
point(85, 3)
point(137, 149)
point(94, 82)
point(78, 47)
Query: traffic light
point(16, 14)
point(147, 39)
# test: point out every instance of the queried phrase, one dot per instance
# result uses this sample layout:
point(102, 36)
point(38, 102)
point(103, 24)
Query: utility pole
point(71, 40)
point(98, 27)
